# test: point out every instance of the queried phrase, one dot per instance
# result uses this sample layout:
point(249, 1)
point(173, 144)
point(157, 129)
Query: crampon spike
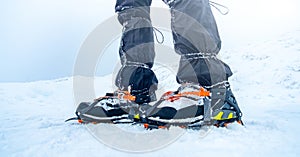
point(146, 125)
point(240, 122)
point(74, 118)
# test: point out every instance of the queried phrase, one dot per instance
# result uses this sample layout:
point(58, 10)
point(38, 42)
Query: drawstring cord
point(217, 6)
point(162, 35)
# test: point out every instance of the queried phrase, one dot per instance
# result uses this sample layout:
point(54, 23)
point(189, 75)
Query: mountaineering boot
point(113, 106)
point(225, 108)
point(184, 106)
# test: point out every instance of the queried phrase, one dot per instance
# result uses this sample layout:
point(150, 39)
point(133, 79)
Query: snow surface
point(266, 82)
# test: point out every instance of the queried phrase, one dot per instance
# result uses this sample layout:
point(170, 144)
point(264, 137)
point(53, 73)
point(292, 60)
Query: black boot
point(225, 108)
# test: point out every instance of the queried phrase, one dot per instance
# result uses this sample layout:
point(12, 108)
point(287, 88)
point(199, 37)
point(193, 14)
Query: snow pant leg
point(197, 40)
point(136, 50)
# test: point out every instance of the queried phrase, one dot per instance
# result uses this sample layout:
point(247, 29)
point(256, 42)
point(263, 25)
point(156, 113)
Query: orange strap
point(126, 96)
point(201, 93)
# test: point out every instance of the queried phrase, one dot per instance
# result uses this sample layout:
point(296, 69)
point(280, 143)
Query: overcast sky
point(39, 39)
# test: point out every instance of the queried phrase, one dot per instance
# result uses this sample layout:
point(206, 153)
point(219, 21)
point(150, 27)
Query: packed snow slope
point(266, 83)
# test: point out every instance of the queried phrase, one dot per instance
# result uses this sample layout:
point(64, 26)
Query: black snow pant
point(195, 36)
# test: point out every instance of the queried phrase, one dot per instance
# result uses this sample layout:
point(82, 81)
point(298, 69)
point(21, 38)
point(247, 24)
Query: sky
point(40, 39)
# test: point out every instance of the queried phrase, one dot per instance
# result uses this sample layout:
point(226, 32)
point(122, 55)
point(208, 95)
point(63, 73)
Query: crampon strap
point(172, 96)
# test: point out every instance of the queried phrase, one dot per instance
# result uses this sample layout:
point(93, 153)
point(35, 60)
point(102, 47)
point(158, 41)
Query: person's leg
point(197, 40)
point(136, 50)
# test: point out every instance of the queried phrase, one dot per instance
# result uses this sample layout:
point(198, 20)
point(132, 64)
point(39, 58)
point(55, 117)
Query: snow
point(265, 82)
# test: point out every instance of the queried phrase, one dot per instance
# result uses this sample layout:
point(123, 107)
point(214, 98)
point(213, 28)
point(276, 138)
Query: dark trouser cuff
point(141, 82)
point(205, 71)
